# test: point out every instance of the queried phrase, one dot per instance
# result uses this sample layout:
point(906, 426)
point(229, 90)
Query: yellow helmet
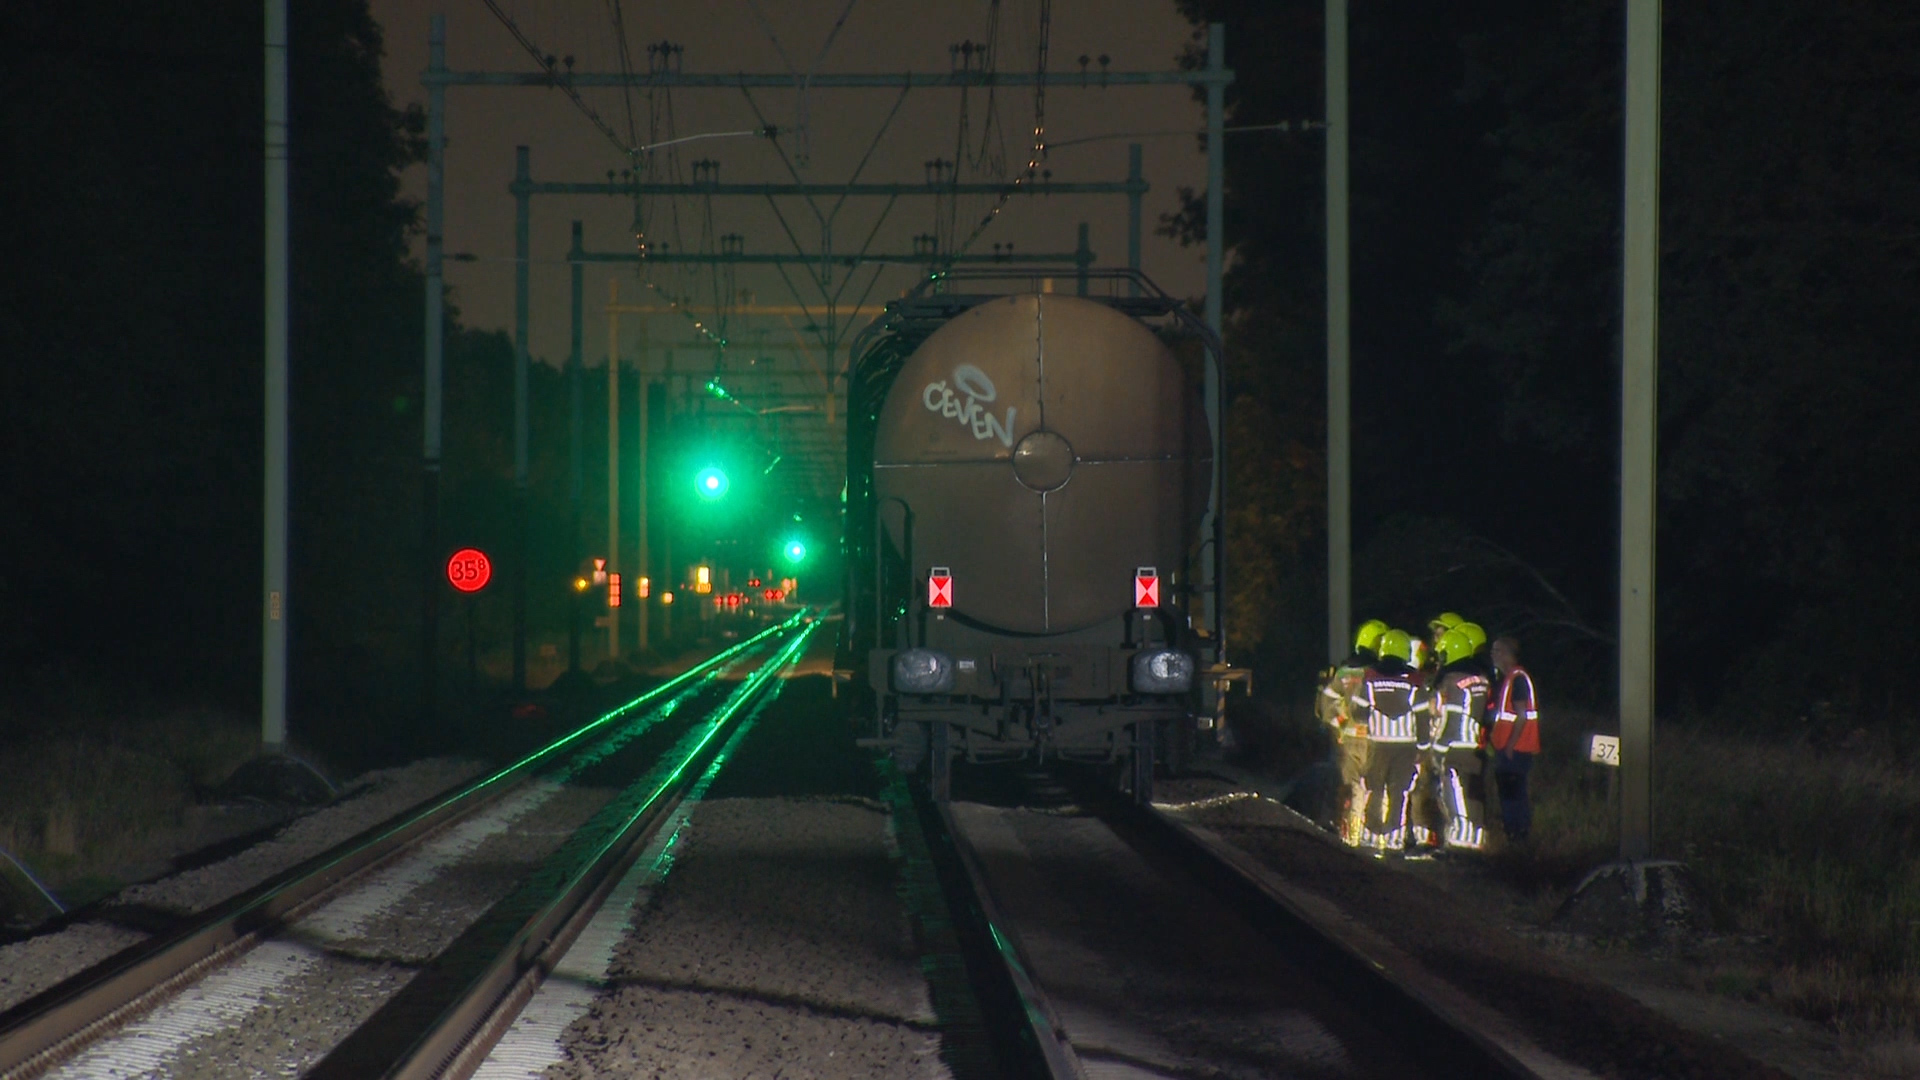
point(1454, 646)
point(1476, 637)
point(1397, 644)
point(1444, 622)
point(1368, 636)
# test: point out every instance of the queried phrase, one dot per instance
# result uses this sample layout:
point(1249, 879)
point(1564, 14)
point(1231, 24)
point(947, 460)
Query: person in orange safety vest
point(1514, 737)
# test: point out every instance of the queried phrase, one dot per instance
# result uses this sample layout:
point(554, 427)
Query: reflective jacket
point(1392, 699)
point(1515, 710)
point(1460, 707)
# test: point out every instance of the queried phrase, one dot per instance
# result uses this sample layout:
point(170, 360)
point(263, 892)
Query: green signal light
point(710, 483)
point(795, 551)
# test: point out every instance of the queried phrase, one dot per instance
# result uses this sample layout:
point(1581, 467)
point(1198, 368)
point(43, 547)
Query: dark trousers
point(1391, 771)
point(1510, 775)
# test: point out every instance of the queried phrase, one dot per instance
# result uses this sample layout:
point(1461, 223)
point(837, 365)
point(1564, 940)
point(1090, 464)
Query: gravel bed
point(34, 964)
point(1445, 916)
point(776, 947)
point(282, 1007)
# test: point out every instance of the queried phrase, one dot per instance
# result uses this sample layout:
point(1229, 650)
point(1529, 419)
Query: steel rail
point(458, 1042)
point(1445, 1035)
point(1027, 1036)
point(57, 1023)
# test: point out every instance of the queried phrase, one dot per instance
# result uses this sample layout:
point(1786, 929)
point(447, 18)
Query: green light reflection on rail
point(671, 686)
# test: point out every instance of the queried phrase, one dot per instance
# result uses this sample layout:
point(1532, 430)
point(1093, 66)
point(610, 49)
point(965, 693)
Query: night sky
point(485, 124)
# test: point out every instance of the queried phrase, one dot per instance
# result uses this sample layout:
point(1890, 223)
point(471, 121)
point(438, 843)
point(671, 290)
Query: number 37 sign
point(469, 570)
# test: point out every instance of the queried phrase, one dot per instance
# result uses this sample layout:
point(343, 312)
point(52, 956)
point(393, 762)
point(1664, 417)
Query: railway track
point(1114, 939)
point(429, 931)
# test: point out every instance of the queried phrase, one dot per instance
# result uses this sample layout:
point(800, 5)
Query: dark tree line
point(131, 379)
point(1486, 231)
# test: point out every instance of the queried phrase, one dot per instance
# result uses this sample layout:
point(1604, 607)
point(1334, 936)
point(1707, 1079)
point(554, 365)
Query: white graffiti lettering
point(974, 385)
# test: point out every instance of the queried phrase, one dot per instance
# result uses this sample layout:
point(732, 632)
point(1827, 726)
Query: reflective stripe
point(1462, 831)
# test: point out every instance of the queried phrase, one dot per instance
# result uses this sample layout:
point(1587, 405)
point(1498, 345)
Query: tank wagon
point(1033, 560)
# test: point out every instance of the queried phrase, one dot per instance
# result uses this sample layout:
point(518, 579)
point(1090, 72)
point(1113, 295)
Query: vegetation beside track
point(1812, 853)
point(80, 796)
point(1808, 853)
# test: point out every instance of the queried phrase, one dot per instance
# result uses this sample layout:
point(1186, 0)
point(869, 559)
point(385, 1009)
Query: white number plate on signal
point(1604, 750)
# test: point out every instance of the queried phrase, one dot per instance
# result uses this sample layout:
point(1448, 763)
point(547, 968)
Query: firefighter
point(1424, 818)
point(1334, 706)
point(1514, 737)
point(1443, 622)
point(1393, 702)
point(1459, 717)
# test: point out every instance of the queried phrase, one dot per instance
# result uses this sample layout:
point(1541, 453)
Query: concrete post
point(576, 451)
point(1639, 413)
point(522, 265)
point(1213, 527)
point(1339, 344)
point(273, 615)
point(613, 458)
point(641, 564)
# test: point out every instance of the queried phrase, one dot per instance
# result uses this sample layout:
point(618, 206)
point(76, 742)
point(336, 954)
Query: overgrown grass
point(88, 787)
point(1816, 853)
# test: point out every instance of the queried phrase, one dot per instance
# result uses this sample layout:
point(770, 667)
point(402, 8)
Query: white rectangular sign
point(1604, 750)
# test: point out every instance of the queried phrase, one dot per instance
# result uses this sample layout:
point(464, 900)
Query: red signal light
point(613, 590)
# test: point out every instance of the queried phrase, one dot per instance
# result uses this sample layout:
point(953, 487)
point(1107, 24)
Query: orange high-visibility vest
point(1516, 714)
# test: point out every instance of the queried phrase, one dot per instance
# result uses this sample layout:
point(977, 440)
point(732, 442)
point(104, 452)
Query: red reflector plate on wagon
point(940, 588)
point(1146, 587)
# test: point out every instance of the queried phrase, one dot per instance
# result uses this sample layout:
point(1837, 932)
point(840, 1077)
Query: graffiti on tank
point(966, 400)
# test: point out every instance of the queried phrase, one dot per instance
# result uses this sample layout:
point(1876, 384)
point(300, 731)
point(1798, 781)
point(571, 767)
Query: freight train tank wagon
point(1034, 563)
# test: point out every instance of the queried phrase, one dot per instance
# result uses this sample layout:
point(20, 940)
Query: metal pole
point(641, 566)
point(1136, 188)
point(1082, 261)
point(1639, 378)
point(522, 260)
point(273, 623)
point(613, 457)
point(576, 451)
point(433, 380)
point(1339, 345)
point(1216, 173)
point(1216, 256)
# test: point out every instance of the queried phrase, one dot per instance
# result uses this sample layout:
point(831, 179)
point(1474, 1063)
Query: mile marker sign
point(469, 570)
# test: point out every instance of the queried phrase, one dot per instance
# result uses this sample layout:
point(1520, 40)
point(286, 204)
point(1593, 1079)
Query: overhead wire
point(1037, 150)
point(560, 81)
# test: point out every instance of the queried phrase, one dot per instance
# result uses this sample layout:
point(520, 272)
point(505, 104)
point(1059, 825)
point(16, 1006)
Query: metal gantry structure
point(1213, 77)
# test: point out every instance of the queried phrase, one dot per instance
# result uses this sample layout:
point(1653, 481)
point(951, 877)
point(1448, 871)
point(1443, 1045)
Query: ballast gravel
point(34, 964)
point(776, 947)
point(280, 1008)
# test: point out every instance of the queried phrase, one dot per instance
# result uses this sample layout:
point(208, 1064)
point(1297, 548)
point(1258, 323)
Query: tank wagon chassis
point(1034, 550)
